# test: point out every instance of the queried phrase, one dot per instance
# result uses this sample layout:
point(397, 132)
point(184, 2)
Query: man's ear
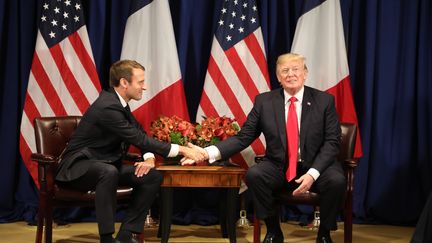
point(123, 82)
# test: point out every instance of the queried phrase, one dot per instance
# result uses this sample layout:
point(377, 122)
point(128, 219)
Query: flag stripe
point(242, 73)
point(207, 106)
point(31, 111)
point(69, 79)
point(222, 85)
point(86, 61)
point(252, 67)
point(46, 86)
point(80, 73)
point(257, 52)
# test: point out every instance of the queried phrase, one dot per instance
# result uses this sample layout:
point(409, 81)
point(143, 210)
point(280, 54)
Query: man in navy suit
point(317, 140)
point(93, 157)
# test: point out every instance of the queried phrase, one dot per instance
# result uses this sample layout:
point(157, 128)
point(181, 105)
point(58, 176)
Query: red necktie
point(292, 137)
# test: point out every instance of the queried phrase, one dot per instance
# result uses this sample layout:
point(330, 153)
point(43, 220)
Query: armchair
point(52, 134)
point(346, 153)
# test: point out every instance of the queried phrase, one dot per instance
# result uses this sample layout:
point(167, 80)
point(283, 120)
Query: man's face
point(135, 88)
point(291, 75)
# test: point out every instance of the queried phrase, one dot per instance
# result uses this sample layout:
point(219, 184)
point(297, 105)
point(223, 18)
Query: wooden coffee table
point(229, 178)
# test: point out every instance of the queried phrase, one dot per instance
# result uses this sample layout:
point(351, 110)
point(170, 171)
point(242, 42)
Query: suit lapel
point(279, 108)
point(306, 107)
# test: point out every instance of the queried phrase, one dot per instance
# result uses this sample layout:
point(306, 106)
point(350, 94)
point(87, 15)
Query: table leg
point(223, 214)
point(166, 213)
point(231, 206)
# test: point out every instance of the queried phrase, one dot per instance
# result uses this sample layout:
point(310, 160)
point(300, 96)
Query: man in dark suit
point(302, 143)
point(92, 159)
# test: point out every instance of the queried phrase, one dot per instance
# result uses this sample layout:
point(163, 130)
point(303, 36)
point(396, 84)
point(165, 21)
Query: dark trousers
point(423, 232)
point(105, 178)
point(266, 178)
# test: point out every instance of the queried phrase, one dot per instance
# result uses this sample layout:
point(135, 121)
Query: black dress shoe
point(273, 238)
point(324, 239)
point(134, 239)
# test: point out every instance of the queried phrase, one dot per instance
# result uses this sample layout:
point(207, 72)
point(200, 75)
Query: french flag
point(319, 36)
point(149, 39)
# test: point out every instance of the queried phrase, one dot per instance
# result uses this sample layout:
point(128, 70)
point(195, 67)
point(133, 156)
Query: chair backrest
point(348, 138)
point(53, 133)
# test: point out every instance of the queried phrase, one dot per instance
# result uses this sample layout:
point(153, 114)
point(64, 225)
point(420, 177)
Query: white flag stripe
point(157, 49)
point(252, 67)
point(27, 132)
point(249, 155)
point(79, 73)
point(322, 54)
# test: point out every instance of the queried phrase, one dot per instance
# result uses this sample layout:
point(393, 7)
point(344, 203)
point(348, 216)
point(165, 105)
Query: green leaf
point(176, 138)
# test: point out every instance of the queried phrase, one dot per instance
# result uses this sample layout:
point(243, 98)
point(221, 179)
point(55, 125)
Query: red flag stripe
point(30, 110)
point(85, 58)
point(46, 86)
point(207, 106)
point(69, 79)
point(242, 73)
point(258, 54)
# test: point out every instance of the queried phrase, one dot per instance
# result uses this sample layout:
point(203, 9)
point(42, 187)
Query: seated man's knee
point(252, 174)
point(109, 172)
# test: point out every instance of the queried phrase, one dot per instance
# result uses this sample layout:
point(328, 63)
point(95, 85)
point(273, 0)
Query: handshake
point(193, 154)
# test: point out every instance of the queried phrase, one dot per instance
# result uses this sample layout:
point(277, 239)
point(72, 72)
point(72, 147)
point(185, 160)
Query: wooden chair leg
point(40, 224)
point(348, 220)
point(257, 230)
point(48, 222)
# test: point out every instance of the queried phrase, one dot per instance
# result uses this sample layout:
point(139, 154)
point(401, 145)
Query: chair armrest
point(350, 163)
point(44, 159)
point(349, 166)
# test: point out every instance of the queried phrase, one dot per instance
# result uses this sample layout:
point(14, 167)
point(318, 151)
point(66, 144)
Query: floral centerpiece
point(213, 130)
point(209, 132)
point(173, 130)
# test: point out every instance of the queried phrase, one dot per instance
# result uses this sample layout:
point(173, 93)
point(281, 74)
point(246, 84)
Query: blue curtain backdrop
point(389, 54)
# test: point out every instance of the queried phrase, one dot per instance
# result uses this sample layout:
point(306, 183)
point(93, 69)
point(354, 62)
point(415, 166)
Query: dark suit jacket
point(319, 130)
point(105, 131)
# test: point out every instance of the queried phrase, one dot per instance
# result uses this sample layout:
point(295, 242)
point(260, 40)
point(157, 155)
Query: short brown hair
point(122, 69)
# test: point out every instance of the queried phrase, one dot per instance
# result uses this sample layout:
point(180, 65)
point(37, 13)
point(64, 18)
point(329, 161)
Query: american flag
point(237, 70)
point(63, 78)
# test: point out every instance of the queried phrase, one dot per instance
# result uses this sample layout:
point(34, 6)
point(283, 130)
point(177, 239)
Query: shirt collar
point(122, 101)
point(298, 95)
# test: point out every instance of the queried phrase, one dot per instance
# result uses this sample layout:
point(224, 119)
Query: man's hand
point(305, 182)
point(190, 161)
point(193, 152)
point(142, 168)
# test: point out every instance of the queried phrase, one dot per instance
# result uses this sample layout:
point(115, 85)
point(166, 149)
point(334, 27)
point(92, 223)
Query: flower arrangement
point(173, 130)
point(209, 132)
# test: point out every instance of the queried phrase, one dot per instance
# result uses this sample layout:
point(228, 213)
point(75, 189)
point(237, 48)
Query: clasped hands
point(193, 154)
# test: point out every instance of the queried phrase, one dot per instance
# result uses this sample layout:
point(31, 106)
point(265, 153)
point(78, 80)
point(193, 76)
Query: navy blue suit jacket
point(319, 130)
point(104, 132)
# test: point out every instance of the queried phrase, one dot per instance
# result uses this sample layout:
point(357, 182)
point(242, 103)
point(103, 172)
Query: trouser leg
point(145, 190)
